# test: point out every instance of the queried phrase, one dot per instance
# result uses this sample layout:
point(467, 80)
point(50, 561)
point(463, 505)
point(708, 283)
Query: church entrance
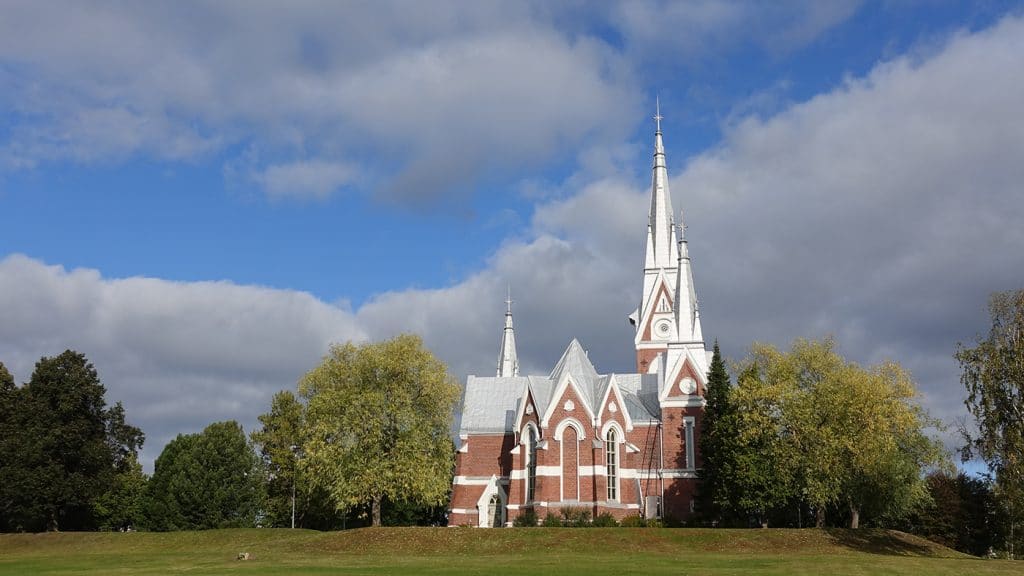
point(494, 512)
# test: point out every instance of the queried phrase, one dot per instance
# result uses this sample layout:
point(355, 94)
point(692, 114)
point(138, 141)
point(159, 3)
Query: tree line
point(803, 437)
point(365, 442)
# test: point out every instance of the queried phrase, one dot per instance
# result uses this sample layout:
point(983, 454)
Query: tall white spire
point(661, 235)
point(508, 360)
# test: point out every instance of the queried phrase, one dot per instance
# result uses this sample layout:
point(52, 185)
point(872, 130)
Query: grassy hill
point(562, 551)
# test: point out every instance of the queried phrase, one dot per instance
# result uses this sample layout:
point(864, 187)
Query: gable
point(568, 402)
point(662, 299)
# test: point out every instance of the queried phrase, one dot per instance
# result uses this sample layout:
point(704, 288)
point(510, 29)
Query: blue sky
point(202, 196)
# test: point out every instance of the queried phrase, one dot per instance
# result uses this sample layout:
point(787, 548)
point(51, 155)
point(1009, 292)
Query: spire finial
point(508, 299)
point(657, 113)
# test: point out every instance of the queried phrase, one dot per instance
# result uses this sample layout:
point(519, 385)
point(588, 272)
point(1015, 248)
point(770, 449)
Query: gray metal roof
point(491, 404)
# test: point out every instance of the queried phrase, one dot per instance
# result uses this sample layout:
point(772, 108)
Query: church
point(624, 444)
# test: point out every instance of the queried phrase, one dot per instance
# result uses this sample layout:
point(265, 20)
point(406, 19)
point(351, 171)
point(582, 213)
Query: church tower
point(669, 340)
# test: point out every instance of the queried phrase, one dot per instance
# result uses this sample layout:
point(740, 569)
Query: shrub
point(552, 520)
point(635, 521)
point(575, 517)
point(605, 520)
point(526, 519)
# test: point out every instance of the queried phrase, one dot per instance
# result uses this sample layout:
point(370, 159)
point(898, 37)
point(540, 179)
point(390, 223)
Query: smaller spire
point(508, 359)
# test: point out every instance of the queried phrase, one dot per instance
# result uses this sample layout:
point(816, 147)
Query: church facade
point(625, 444)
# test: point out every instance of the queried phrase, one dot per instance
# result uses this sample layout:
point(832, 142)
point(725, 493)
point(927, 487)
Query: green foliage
point(633, 521)
point(716, 490)
point(815, 428)
point(552, 520)
point(61, 448)
point(206, 480)
point(526, 519)
point(377, 425)
point(962, 514)
point(993, 374)
point(120, 507)
point(605, 520)
point(575, 517)
point(278, 442)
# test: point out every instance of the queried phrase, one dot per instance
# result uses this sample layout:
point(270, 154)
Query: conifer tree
point(717, 430)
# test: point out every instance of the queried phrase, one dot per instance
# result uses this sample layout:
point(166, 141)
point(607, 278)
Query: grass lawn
point(560, 551)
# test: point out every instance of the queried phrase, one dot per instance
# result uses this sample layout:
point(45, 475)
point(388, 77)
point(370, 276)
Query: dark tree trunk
point(854, 516)
point(819, 521)
point(376, 511)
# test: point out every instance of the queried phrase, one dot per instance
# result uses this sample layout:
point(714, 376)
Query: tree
point(993, 373)
point(847, 435)
point(961, 515)
point(67, 446)
point(206, 480)
point(279, 442)
point(715, 491)
point(377, 425)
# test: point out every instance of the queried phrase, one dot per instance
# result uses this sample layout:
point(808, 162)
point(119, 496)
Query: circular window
point(688, 385)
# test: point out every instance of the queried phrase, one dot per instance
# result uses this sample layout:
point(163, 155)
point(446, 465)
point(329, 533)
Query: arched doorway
point(494, 512)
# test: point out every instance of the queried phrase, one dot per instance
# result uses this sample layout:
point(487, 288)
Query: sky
point(202, 196)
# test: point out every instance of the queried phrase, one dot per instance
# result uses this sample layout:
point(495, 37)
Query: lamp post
point(295, 467)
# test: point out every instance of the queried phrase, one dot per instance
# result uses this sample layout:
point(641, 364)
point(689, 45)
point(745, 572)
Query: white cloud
point(179, 355)
point(310, 178)
point(420, 98)
point(883, 212)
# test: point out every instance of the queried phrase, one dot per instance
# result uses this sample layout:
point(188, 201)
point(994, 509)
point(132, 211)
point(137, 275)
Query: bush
point(635, 521)
point(552, 520)
point(640, 522)
point(526, 519)
point(575, 517)
point(605, 520)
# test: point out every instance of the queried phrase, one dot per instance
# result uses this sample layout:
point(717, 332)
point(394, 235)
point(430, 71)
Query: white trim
point(689, 402)
point(689, 422)
point(574, 503)
point(526, 397)
point(561, 455)
point(556, 400)
point(581, 433)
point(494, 488)
point(471, 480)
point(613, 383)
point(462, 511)
point(679, 473)
point(614, 427)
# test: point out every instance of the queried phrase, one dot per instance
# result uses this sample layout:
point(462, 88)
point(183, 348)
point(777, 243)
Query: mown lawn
point(559, 551)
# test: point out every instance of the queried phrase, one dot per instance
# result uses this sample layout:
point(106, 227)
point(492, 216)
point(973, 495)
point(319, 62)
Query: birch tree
point(993, 374)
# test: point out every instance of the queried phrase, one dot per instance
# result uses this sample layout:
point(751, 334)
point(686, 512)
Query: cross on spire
point(657, 113)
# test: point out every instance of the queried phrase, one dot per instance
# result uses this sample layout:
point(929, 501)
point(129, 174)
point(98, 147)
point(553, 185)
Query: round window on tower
point(688, 385)
point(662, 328)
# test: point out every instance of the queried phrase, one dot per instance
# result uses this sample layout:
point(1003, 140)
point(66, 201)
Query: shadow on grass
point(876, 541)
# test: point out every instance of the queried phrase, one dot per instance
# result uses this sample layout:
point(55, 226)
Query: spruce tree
point(716, 428)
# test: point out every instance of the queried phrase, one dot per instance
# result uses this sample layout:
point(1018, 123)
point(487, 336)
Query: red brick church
point(625, 444)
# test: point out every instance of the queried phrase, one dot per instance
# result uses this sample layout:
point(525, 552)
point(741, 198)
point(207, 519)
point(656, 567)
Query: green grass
point(561, 551)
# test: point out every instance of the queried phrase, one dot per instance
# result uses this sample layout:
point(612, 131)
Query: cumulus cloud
point(882, 212)
point(419, 99)
point(422, 98)
point(179, 355)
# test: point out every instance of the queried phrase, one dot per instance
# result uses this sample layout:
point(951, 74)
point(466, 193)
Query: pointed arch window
point(531, 464)
point(611, 456)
